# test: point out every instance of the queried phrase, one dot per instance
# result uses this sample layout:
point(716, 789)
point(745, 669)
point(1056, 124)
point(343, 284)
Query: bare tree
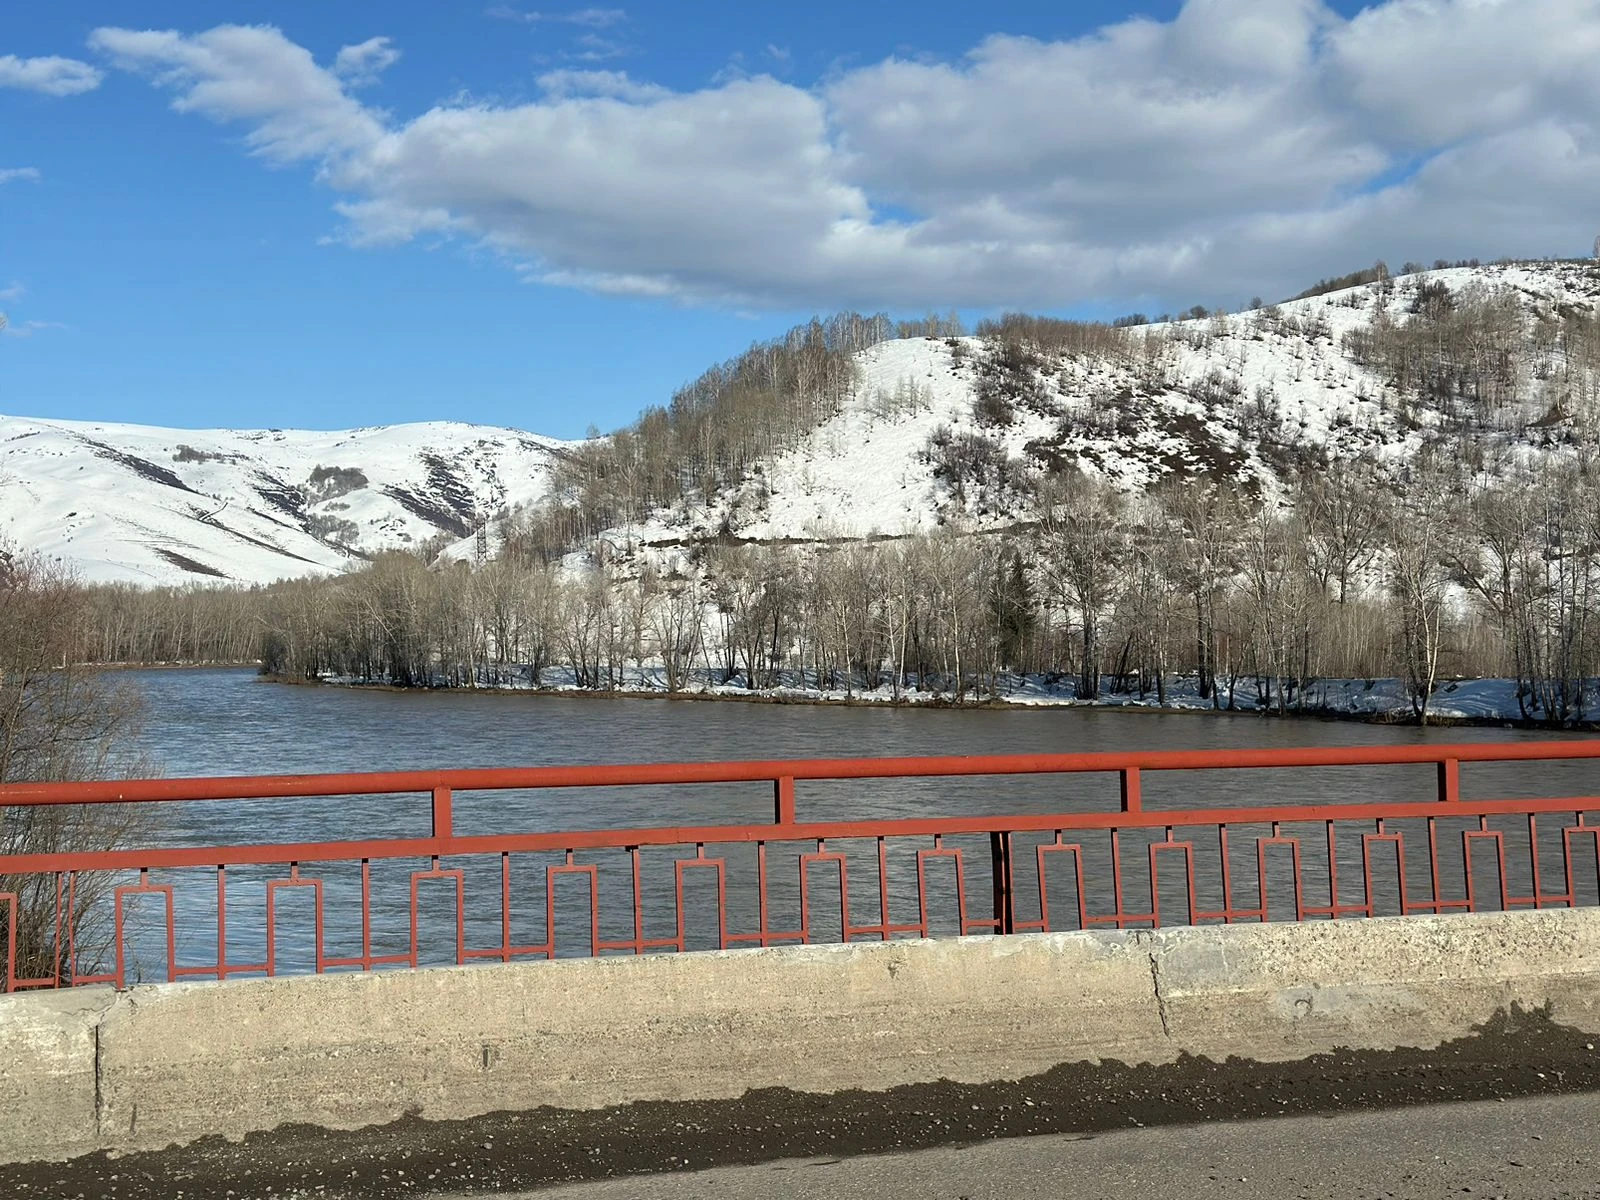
point(1279, 592)
point(1418, 579)
point(584, 623)
point(1341, 506)
point(676, 623)
point(1083, 536)
point(1202, 534)
point(58, 721)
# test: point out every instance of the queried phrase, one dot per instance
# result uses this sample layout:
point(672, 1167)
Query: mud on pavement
point(1518, 1053)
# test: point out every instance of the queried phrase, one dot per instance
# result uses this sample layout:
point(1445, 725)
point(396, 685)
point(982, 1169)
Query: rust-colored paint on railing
point(240, 787)
point(1332, 870)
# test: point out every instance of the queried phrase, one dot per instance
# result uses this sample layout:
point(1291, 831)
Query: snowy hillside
point(167, 506)
point(1499, 369)
point(1246, 397)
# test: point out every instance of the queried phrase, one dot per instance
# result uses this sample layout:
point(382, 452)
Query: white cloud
point(28, 328)
point(1111, 137)
point(588, 18)
point(1237, 149)
point(12, 292)
point(597, 188)
point(615, 84)
point(589, 44)
point(592, 47)
point(597, 18)
point(52, 75)
point(298, 110)
point(19, 174)
point(361, 64)
point(1469, 69)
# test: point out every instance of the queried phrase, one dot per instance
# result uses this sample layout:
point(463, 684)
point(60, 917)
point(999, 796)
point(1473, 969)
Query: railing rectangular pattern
point(163, 911)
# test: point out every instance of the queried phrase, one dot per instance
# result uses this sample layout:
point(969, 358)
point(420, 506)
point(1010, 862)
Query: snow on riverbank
point(1468, 700)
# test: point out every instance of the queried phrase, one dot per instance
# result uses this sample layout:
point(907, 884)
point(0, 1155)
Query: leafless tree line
point(195, 624)
point(1350, 574)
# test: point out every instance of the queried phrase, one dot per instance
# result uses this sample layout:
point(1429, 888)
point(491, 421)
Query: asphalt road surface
point(1531, 1148)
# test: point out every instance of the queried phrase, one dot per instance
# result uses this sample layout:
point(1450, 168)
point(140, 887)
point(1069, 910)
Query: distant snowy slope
point(165, 506)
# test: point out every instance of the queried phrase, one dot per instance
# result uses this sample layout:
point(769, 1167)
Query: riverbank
point(1465, 702)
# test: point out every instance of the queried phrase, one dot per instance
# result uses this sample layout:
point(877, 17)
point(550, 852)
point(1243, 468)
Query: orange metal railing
point(69, 918)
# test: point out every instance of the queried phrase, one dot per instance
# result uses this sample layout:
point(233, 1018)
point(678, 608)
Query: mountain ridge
point(1496, 365)
point(149, 505)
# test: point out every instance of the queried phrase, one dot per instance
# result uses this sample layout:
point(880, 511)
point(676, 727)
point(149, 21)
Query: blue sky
point(549, 217)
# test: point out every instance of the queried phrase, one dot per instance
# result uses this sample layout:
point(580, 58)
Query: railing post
point(1005, 917)
point(441, 813)
point(783, 800)
point(1132, 800)
point(1449, 781)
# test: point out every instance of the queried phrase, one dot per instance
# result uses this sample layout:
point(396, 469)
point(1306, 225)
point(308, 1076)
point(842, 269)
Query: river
point(226, 722)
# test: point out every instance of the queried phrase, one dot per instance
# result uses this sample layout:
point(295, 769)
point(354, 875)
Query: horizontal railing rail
point(240, 787)
point(153, 909)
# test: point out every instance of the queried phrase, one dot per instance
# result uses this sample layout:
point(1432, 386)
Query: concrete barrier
point(1274, 992)
point(344, 1051)
point(160, 1064)
point(49, 1057)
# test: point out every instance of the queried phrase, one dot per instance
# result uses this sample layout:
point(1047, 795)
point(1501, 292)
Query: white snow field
point(133, 503)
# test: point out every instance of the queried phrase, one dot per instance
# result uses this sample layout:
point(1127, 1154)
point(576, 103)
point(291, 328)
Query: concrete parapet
point(49, 1060)
point(1283, 991)
point(168, 1063)
point(181, 1061)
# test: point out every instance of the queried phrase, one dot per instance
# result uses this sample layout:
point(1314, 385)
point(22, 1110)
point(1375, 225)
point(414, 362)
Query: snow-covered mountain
point(1247, 397)
point(167, 506)
point(935, 428)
